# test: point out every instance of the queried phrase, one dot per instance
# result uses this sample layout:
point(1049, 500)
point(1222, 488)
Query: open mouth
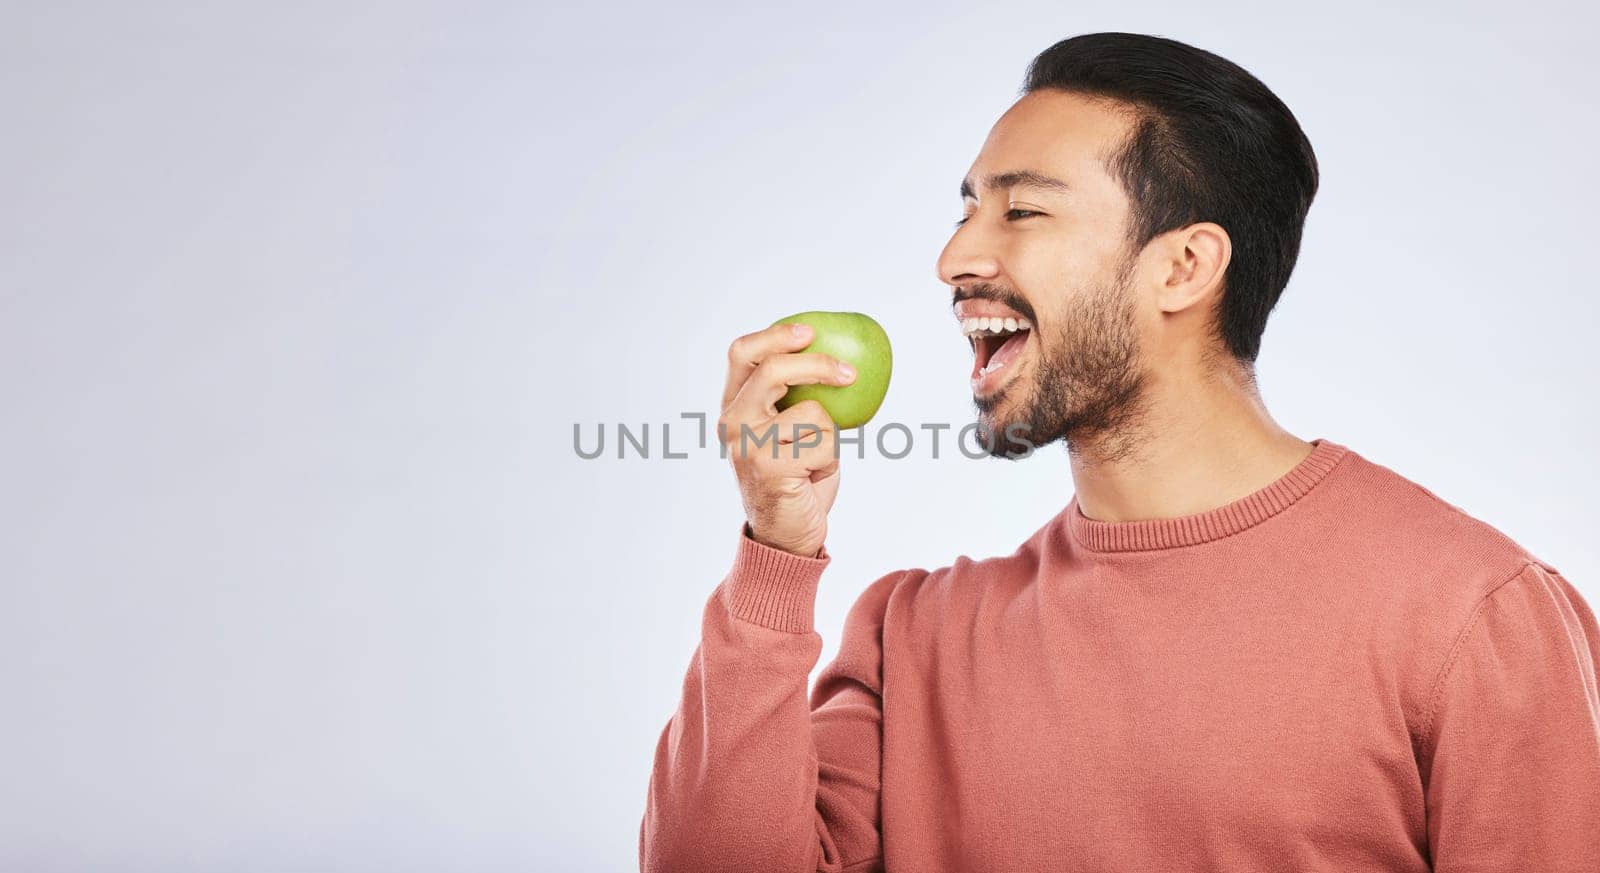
point(996, 343)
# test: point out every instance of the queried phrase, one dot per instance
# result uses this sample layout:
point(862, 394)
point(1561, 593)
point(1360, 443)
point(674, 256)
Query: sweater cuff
point(772, 587)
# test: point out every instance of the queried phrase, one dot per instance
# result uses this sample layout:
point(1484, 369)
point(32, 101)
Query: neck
point(1199, 440)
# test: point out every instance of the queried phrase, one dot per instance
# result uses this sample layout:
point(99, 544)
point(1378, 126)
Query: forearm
point(734, 784)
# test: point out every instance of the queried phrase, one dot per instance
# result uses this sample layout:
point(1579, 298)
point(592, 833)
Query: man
point(1233, 649)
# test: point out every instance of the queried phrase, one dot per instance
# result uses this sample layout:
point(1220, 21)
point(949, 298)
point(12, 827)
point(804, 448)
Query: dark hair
point(1210, 142)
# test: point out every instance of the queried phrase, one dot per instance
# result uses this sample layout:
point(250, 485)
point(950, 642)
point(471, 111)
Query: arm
point(750, 776)
point(1513, 744)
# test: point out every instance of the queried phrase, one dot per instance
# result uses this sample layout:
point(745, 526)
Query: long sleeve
point(1513, 775)
point(749, 773)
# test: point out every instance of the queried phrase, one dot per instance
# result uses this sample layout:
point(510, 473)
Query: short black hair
point(1210, 142)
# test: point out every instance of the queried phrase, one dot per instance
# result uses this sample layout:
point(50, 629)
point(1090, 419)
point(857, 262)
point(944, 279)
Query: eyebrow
point(1016, 179)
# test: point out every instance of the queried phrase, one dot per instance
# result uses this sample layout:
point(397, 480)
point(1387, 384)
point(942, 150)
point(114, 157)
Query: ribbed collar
point(1213, 524)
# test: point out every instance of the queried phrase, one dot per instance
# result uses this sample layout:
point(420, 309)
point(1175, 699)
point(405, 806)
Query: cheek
point(1052, 264)
point(1066, 277)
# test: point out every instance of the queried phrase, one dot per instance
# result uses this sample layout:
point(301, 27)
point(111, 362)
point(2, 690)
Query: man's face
point(1042, 246)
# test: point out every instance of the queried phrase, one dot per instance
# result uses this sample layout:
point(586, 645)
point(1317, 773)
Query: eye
point(1011, 215)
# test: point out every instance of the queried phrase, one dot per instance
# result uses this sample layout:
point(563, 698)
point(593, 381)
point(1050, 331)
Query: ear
point(1194, 260)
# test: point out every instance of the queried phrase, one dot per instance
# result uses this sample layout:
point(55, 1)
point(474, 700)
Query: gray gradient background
point(298, 305)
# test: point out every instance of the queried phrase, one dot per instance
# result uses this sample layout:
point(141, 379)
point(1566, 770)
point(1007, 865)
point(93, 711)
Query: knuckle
point(814, 413)
point(769, 371)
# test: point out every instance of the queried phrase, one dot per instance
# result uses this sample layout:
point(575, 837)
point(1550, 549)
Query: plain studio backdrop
point(299, 305)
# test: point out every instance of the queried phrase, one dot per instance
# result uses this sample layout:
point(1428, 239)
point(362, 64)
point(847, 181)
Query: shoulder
point(1427, 540)
point(1430, 568)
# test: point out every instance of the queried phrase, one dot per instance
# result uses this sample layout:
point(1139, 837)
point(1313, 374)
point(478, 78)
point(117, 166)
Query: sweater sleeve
point(1513, 742)
point(749, 773)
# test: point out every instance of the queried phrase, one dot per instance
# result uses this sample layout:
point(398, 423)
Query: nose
point(969, 256)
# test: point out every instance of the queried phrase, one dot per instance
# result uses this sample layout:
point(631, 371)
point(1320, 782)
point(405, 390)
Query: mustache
point(997, 293)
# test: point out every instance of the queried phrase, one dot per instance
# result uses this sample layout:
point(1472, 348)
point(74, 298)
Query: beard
point(1087, 384)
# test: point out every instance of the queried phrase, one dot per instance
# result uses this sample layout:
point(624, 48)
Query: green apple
point(857, 340)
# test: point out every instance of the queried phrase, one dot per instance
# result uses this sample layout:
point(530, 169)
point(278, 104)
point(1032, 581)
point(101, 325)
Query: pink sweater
point(1339, 672)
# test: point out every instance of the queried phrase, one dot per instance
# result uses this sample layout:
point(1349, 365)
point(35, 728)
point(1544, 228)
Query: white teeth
point(996, 325)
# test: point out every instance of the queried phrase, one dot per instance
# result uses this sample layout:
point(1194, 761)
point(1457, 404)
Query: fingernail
point(800, 330)
point(848, 371)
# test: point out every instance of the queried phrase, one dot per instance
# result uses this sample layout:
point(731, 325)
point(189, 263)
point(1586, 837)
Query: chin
point(1003, 431)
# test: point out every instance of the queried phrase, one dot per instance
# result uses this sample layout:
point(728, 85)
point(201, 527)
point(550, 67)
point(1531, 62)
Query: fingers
point(747, 352)
point(803, 423)
point(757, 399)
point(796, 444)
point(787, 463)
point(813, 445)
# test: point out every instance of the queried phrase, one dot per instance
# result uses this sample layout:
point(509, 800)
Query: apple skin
point(857, 340)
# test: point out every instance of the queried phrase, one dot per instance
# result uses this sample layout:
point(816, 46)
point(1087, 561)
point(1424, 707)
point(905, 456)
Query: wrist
point(799, 552)
point(773, 587)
